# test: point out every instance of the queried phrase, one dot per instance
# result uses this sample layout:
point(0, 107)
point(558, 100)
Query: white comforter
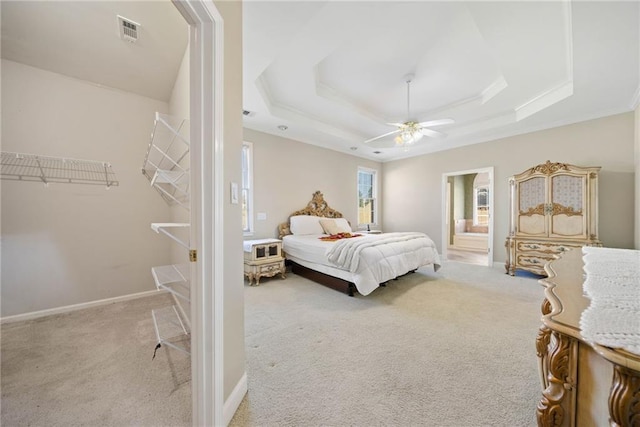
point(376, 259)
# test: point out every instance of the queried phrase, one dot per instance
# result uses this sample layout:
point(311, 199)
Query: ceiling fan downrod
point(409, 78)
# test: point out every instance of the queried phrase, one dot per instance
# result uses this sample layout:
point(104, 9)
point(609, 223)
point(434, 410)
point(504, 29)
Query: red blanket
point(339, 236)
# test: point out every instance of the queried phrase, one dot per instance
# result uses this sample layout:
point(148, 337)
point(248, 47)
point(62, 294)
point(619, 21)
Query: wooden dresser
point(583, 384)
point(263, 258)
point(554, 209)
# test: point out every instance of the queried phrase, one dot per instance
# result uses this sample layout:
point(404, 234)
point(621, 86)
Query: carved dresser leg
point(624, 398)
point(558, 399)
point(542, 350)
point(543, 341)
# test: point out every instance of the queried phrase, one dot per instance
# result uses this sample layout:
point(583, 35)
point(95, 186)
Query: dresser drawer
point(545, 247)
point(534, 262)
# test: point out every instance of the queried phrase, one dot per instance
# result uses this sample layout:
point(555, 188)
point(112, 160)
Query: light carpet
point(93, 367)
point(453, 348)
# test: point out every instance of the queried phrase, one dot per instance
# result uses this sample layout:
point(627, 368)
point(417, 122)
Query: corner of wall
point(637, 162)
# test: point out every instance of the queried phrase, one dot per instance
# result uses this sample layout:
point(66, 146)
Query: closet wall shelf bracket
point(166, 228)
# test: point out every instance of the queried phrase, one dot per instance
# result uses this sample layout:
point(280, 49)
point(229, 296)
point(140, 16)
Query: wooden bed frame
point(324, 279)
point(316, 207)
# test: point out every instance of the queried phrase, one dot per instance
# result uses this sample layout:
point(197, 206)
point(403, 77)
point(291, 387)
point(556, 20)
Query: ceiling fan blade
point(432, 133)
point(382, 136)
point(438, 122)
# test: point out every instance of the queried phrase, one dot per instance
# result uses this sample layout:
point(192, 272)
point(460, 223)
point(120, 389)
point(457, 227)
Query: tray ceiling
point(333, 72)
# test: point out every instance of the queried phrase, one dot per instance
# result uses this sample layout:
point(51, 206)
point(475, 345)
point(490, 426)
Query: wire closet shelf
point(166, 164)
point(31, 167)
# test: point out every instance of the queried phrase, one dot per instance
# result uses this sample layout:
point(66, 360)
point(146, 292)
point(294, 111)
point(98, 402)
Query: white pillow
point(301, 225)
point(344, 224)
point(335, 226)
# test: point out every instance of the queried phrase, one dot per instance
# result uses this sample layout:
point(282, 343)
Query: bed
point(320, 245)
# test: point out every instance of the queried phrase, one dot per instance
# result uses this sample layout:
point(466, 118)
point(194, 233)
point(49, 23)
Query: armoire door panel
point(568, 226)
point(532, 225)
point(568, 198)
point(569, 191)
point(531, 207)
point(531, 194)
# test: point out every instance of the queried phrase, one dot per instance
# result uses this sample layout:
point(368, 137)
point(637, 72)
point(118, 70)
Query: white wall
point(413, 187)
point(288, 172)
point(66, 244)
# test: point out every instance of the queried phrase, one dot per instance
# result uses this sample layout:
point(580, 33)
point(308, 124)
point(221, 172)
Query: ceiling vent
point(128, 29)
point(248, 113)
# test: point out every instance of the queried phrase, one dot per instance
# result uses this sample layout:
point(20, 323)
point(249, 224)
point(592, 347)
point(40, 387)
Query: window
point(247, 187)
point(481, 199)
point(367, 197)
point(481, 209)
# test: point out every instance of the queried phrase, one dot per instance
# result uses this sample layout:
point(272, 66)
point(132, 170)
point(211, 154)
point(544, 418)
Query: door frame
point(206, 232)
point(446, 207)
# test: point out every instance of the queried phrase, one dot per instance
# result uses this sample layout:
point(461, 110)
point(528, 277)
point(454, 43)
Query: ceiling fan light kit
point(410, 131)
point(409, 134)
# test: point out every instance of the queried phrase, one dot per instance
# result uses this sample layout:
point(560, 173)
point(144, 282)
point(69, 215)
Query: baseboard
point(68, 308)
point(235, 398)
point(498, 264)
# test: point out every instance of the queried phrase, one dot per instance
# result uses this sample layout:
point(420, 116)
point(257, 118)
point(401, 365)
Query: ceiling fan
point(411, 131)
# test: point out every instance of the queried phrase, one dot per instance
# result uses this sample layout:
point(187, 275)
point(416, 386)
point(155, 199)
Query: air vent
point(248, 113)
point(128, 29)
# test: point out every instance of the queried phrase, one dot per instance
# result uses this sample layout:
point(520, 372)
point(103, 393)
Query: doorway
point(467, 226)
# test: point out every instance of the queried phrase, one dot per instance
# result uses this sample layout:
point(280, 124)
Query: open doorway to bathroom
point(468, 216)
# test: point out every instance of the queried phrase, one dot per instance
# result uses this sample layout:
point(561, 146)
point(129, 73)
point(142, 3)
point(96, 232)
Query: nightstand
point(263, 258)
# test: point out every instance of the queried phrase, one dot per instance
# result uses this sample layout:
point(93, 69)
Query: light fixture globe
point(412, 131)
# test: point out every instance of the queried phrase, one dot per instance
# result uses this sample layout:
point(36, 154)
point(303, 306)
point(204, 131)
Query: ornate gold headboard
point(316, 207)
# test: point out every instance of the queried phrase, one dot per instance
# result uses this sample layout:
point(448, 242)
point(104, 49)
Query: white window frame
point(374, 195)
point(475, 204)
point(249, 189)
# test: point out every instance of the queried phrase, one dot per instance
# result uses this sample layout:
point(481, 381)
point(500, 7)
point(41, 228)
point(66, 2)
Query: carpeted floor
point(453, 348)
point(93, 367)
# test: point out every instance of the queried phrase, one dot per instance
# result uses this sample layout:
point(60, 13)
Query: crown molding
point(287, 112)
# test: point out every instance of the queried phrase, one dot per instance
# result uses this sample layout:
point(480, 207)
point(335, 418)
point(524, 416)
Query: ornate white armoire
point(554, 208)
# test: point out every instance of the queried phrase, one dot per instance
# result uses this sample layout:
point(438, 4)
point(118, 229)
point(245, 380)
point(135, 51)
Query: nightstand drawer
point(258, 250)
point(271, 267)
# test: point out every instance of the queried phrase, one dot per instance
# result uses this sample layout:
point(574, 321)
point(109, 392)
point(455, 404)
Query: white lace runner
point(613, 285)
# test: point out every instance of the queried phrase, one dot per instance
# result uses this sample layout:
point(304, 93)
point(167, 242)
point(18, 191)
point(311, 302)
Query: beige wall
point(288, 172)
point(412, 187)
point(637, 142)
point(71, 243)
point(234, 352)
